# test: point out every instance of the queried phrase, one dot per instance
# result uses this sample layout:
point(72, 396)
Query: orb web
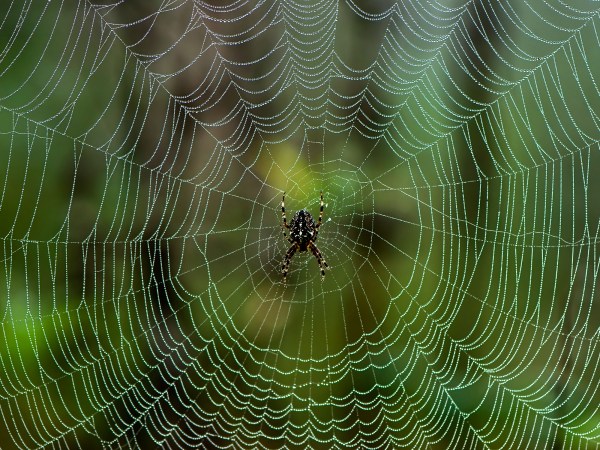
point(145, 150)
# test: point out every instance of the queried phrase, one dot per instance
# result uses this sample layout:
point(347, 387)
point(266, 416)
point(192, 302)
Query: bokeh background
point(145, 148)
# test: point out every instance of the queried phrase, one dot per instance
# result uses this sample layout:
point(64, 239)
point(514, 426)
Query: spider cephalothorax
point(303, 235)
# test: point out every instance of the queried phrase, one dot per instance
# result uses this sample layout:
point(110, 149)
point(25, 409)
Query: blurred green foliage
point(140, 290)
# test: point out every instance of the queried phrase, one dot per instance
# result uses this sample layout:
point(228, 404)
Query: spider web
point(145, 147)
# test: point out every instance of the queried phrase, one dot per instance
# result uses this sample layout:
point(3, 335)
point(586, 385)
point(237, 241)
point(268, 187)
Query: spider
point(303, 235)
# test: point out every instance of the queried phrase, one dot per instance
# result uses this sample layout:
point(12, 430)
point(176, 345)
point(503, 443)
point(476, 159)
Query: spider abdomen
point(303, 230)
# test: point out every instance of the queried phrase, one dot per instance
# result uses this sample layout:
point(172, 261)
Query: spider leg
point(285, 224)
point(286, 262)
point(320, 220)
point(317, 253)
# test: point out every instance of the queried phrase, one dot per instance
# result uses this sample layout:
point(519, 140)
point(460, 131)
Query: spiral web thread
point(146, 147)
